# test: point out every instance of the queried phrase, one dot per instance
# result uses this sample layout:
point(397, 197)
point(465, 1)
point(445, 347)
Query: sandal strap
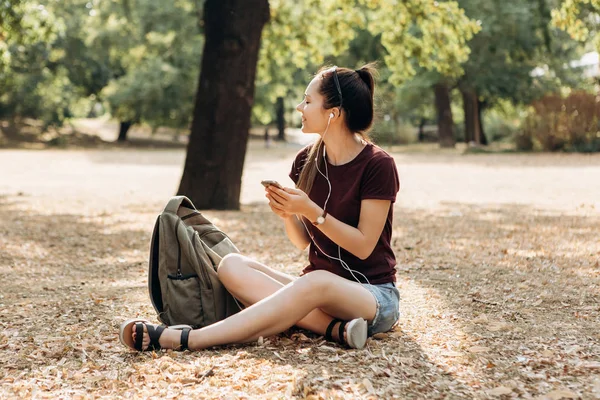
point(330, 328)
point(139, 336)
point(185, 333)
point(154, 333)
point(341, 332)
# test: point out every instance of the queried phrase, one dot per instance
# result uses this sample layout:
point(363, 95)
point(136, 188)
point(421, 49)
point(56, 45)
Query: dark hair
point(357, 91)
point(358, 87)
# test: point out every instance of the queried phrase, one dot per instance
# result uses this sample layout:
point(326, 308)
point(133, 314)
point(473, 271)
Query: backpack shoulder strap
point(176, 202)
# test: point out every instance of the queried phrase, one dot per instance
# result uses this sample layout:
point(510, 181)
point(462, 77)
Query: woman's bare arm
point(360, 241)
point(296, 232)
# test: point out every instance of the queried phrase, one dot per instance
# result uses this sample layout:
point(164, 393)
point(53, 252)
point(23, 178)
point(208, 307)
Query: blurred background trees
point(521, 74)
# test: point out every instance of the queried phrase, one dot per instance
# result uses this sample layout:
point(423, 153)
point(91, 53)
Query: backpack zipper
point(179, 275)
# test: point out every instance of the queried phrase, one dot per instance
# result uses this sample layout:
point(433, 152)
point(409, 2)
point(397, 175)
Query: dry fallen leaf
point(479, 349)
point(368, 385)
point(591, 365)
point(497, 326)
point(328, 348)
point(450, 353)
point(482, 319)
point(381, 336)
point(596, 387)
point(499, 391)
point(561, 394)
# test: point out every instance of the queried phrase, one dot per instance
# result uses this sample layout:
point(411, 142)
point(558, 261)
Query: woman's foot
point(354, 332)
point(169, 339)
point(335, 333)
point(141, 335)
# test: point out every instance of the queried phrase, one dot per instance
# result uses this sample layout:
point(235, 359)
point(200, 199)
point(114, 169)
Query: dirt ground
point(498, 268)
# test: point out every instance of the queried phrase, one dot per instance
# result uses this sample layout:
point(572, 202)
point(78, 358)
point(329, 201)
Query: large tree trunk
point(471, 114)
point(123, 129)
point(444, 115)
point(473, 123)
point(280, 119)
point(212, 175)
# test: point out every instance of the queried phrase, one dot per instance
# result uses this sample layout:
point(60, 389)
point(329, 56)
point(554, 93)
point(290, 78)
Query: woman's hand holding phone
point(268, 182)
point(276, 207)
point(286, 202)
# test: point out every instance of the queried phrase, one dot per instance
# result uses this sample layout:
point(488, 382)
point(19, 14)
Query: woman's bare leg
point(279, 307)
point(234, 260)
point(250, 281)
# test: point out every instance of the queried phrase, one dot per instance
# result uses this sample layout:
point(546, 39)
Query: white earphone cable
point(326, 176)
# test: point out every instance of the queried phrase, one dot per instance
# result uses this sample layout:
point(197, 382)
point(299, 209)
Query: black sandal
point(357, 332)
point(154, 331)
point(330, 338)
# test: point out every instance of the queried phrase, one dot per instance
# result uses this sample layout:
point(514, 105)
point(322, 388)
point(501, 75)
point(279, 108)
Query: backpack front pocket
point(185, 300)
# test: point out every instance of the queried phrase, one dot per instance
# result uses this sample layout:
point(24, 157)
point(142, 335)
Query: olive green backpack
point(185, 251)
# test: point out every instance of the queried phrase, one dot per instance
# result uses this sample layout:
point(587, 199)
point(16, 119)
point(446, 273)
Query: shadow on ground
point(491, 296)
point(68, 280)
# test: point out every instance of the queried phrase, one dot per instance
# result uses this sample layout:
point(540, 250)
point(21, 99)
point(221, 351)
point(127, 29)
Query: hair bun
point(366, 74)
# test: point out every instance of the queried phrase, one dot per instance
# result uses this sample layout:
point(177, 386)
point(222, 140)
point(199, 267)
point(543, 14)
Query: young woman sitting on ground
point(342, 209)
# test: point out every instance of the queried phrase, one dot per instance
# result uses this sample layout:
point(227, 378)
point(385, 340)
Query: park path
point(563, 182)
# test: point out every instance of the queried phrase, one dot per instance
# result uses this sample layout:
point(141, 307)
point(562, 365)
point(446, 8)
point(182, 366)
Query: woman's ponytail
point(367, 73)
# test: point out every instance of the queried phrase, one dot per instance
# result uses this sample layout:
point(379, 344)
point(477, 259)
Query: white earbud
point(331, 115)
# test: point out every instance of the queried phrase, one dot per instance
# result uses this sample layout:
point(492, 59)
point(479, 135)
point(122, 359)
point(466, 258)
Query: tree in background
point(515, 39)
point(33, 81)
point(414, 32)
point(153, 50)
point(217, 147)
point(140, 58)
point(298, 38)
point(428, 36)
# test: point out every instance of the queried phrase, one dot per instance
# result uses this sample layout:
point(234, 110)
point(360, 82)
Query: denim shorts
point(387, 297)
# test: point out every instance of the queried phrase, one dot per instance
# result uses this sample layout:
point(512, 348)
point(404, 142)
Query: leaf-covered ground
point(498, 271)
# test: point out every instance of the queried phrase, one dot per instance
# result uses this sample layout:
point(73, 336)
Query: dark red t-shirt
point(372, 174)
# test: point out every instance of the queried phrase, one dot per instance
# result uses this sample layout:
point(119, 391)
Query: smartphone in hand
point(268, 182)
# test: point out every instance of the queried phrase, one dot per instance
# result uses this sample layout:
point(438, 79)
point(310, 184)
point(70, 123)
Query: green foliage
point(46, 96)
point(27, 28)
point(580, 18)
point(389, 131)
point(514, 40)
point(33, 82)
point(154, 50)
point(503, 121)
point(422, 34)
point(301, 36)
point(141, 57)
point(297, 38)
